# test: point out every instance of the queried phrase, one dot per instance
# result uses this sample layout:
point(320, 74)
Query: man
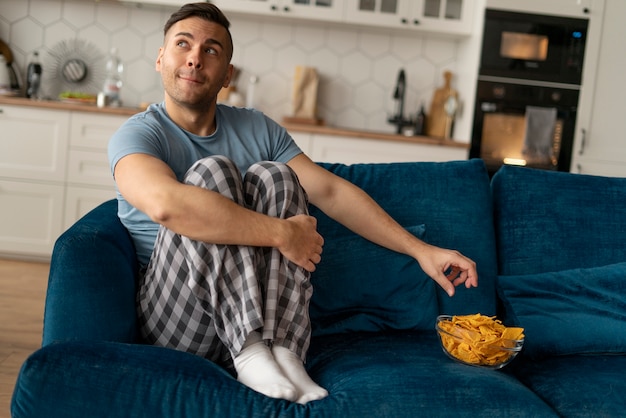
point(227, 259)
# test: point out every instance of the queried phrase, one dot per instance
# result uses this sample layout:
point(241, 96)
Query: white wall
point(358, 67)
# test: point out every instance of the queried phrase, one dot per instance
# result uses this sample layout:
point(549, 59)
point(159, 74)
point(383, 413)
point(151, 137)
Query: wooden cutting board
point(438, 120)
point(6, 51)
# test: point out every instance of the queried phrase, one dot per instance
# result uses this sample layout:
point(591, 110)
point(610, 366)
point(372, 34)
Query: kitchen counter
point(292, 127)
point(379, 136)
point(59, 105)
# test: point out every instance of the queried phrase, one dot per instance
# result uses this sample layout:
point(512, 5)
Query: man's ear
point(229, 75)
point(158, 60)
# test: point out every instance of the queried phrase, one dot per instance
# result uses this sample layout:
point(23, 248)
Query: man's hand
point(448, 268)
point(302, 243)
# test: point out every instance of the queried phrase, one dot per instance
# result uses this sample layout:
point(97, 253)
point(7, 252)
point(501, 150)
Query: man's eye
point(211, 51)
point(181, 43)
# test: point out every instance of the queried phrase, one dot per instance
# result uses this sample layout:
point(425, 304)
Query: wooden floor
point(22, 294)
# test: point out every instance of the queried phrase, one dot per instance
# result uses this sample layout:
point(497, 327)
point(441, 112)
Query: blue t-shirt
point(245, 136)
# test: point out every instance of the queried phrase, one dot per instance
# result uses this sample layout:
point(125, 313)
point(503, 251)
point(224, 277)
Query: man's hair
point(206, 11)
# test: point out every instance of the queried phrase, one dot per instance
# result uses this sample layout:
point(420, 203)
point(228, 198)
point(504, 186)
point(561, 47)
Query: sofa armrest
point(92, 281)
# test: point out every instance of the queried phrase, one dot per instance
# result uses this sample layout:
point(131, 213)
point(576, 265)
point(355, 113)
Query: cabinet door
point(89, 168)
point(33, 144)
point(388, 13)
point(80, 200)
point(172, 3)
point(573, 8)
point(442, 16)
point(303, 140)
point(248, 6)
point(32, 217)
point(600, 168)
point(93, 131)
point(450, 16)
point(326, 10)
point(344, 150)
point(601, 125)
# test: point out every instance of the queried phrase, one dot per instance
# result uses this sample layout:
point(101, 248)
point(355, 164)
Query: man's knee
point(272, 172)
point(217, 173)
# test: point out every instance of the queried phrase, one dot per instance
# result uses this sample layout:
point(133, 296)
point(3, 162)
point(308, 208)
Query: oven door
point(533, 47)
point(530, 126)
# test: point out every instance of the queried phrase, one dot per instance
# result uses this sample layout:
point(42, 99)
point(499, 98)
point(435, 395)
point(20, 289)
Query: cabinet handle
point(286, 9)
point(1, 111)
point(583, 141)
point(404, 21)
point(273, 8)
point(416, 22)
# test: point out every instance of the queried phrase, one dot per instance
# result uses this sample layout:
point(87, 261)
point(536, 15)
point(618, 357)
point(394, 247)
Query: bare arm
point(149, 185)
point(353, 208)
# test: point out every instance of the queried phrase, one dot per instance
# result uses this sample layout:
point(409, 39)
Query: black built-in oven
point(528, 88)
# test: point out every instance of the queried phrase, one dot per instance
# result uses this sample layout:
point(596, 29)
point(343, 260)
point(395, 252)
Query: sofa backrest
point(551, 221)
point(359, 286)
point(92, 275)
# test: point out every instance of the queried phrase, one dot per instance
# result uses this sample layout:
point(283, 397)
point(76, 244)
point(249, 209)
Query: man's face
point(194, 62)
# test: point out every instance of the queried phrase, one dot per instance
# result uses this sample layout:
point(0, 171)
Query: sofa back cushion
point(359, 286)
point(562, 259)
point(551, 221)
point(92, 275)
point(577, 311)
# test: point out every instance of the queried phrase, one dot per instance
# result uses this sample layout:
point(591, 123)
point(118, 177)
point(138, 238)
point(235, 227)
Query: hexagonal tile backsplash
point(357, 66)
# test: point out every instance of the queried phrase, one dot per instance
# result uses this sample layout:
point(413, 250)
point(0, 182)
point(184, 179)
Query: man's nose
point(193, 60)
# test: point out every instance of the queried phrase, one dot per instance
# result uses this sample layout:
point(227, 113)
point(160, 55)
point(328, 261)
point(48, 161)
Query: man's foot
point(257, 369)
point(292, 367)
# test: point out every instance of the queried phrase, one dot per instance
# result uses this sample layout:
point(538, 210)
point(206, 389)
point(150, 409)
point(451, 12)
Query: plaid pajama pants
point(205, 298)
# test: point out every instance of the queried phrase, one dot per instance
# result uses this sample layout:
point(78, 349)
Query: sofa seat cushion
point(453, 201)
point(406, 374)
point(81, 379)
point(367, 374)
point(578, 386)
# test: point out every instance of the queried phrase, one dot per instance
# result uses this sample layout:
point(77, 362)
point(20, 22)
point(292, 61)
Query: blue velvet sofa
point(551, 254)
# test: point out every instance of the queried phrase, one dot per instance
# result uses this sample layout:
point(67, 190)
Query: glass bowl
point(468, 347)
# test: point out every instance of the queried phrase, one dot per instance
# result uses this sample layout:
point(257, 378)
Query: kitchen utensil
point(438, 118)
point(8, 56)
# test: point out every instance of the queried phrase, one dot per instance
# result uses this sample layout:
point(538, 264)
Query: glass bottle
point(33, 77)
point(113, 81)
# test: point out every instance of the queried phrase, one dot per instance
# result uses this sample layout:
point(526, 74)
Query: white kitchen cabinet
point(81, 199)
point(326, 10)
point(442, 16)
point(600, 142)
point(571, 8)
point(168, 3)
point(31, 220)
point(304, 141)
point(33, 143)
point(33, 159)
point(89, 178)
point(600, 168)
point(336, 149)
point(53, 169)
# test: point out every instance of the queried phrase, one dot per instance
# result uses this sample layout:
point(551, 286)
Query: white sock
point(292, 367)
point(257, 369)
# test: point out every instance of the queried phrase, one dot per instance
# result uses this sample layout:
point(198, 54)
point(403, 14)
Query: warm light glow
point(514, 161)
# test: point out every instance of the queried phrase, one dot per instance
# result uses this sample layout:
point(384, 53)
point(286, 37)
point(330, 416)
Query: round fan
point(75, 66)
